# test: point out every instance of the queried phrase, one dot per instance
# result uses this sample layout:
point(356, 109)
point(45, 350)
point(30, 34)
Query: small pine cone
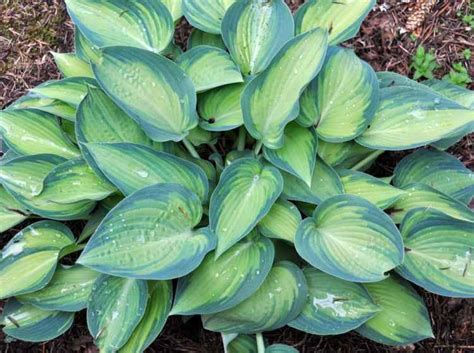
point(418, 14)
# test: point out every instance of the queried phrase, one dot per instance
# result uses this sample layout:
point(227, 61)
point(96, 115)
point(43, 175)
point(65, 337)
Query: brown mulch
point(29, 29)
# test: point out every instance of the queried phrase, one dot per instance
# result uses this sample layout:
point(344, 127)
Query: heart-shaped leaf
point(438, 253)
point(439, 170)
point(298, 154)
point(115, 308)
point(149, 235)
point(333, 306)
point(131, 167)
point(235, 275)
point(278, 301)
point(74, 181)
point(423, 196)
point(143, 24)
point(206, 15)
point(29, 131)
point(403, 318)
point(220, 109)
point(271, 100)
point(347, 96)
point(245, 193)
point(341, 18)
point(377, 191)
point(29, 259)
point(68, 290)
point(281, 222)
point(160, 294)
point(158, 95)
point(325, 183)
point(31, 324)
point(350, 238)
point(209, 67)
point(254, 32)
point(409, 117)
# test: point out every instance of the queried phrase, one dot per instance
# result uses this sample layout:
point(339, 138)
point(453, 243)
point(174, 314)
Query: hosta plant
point(230, 181)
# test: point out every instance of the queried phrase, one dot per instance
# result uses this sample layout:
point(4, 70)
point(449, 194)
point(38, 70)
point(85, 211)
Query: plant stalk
point(242, 137)
point(257, 148)
point(189, 146)
point(260, 343)
point(367, 160)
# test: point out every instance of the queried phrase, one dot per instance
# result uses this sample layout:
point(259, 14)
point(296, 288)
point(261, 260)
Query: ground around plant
point(30, 29)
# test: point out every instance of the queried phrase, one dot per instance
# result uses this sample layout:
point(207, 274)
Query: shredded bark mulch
point(30, 29)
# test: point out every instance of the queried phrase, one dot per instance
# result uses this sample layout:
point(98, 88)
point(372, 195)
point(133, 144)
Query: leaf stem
point(367, 160)
point(257, 148)
point(189, 146)
point(242, 137)
point(260, 343)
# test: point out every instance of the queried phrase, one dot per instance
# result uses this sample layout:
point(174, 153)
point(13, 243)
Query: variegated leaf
point(350, 238)
point(11, 211)
point(198, 37)
point(71, 65)
point(206, 15)
point(70, 90)
point(281, 222)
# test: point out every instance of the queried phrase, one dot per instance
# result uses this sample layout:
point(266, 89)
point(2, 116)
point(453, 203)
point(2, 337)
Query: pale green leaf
point(70, 90)
point(71, 65)
point(11, 211)
point(198, 37)
point(206, 15)
point(281, 222)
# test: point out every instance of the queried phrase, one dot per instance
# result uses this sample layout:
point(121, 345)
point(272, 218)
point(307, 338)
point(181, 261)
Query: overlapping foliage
point(230, 181)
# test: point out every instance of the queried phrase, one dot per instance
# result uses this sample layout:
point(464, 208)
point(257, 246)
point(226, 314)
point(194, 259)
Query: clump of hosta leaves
point(230, 181)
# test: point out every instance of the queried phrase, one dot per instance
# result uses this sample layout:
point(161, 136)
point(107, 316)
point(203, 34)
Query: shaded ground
point(29, 29)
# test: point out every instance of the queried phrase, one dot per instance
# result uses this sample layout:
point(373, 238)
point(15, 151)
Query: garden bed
point(30, 29)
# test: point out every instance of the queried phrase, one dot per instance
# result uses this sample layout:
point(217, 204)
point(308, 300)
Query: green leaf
point(439, 170)
point(70, 90)
point(403, 318)
point(198, 37)
point(48, 105)
point(131, 167)
point(350, 238)
point(84, 48)
point(438, 253)
point(278, 301)
point(25, 175)
point(11, 211)
point(160, 295)
point(71, 65)
point(343, 155)
point(347, 96)
point(242, 344)
point(460, 95)
point(220, 108)
point(376, 191)
point(209, 67)
point(298, 155)
point(29, 259)
point(423, 196)
point(99, 119)
point(254, 32)
point(325, 183)
point(206, 14)
point(30, 324)
point(175, 7)
point(271, 100)
point(149, 235)
point(115, 308)
point(281, 222)
point(333, 306)
point(280, 348)
point(198, 136)
point(341, 18)
point(143, 24)
point(158, 95)
point(33, 132)
point(68, 290)
point(410, 117)
point(245, 193)
point(235, 276)
point(74, 181)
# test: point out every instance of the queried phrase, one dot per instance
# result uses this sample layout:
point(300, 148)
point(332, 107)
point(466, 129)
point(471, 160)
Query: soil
point(30, 29)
